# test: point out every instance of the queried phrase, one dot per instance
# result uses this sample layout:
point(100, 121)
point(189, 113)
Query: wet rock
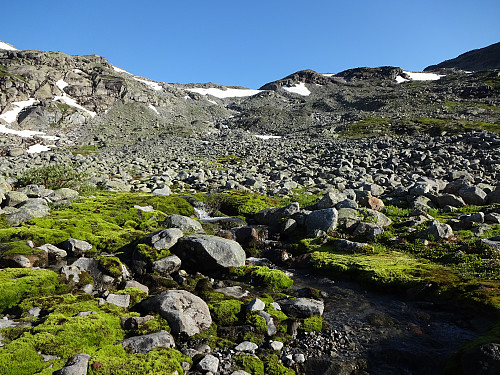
point(482, 360)
point(302, 307)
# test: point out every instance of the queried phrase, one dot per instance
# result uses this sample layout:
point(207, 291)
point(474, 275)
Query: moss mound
point(263, 276)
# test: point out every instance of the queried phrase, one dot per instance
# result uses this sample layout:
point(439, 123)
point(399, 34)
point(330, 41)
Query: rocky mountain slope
point(150, 227)
point(486, 58)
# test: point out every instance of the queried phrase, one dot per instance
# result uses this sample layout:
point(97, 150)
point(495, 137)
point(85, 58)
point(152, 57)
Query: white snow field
point(151, 84)
point(68, 100)
point(7, 46)
point(267, 136)
point(298, 88)
point(419, 76)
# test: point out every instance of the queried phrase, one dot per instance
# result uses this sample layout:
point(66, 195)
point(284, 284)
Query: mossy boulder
point(263, 277)
point(19, 255)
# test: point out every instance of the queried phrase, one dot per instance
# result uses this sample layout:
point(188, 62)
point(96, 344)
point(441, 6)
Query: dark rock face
point(479, 59)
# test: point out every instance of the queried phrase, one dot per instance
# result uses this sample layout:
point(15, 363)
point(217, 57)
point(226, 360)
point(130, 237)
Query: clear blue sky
point(250, 43)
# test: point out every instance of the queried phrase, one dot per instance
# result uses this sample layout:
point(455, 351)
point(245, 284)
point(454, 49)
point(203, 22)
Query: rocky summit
point(326, 223)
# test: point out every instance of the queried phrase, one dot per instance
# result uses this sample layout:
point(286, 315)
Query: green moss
point(312, 324)
point(151, 326)
point(19, 284)
point(263, 276)
point(256, 338)
point(258, 322)
point(273, 367)
point(250, 364)
point(103, 221)
point(113, 359)
point(368, 127)
point(61, 333)
point(237, 203)
point(384, 269)
point(150, 253)
point(111, 264)
point(278, 314)
point(136, 295)
point(18, 247)
point(226, 313)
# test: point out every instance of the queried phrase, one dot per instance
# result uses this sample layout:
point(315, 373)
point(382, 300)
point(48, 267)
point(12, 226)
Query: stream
point(388, 334)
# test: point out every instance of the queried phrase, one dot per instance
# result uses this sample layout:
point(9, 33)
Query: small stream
point(394, 335)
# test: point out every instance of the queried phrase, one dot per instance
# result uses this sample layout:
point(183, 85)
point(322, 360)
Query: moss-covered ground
point(109, 221)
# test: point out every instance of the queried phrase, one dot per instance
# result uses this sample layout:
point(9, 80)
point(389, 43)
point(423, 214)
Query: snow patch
point(7, 46)
point(77, 71)
point(212, 101)
point(61, 85)
point(328, 74)
point(299, 88)
point(419, 76)
point(35, 149)
point(187, 97)
point(11, 116)
point(267, 136)
point(228, 93)
point(119, 70)
point(153, 85)
point(20, 133)
point(152, 107)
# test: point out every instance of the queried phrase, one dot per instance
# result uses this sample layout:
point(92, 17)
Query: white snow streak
point(212, 101)
point(77, 71)
point(298, 88)
point(7, 46)
point(153, 85)
point(228, 93)
point(68, 100)
point(328, 74)
point(35, 149)
point(11, 116)
point(61, 85)
point(152, 107)
point(419, 76)
point(119, 70)
point(21, 133)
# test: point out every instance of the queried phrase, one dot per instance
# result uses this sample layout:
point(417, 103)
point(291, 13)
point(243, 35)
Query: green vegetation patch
point(368, 127)
point(150, 253)
point(18, 284)
point(113, 359)
point(237, 203)
point(104, 221)
point(312, 324)
point(60, 332)
point(250, 364)
point(273, 367)
point(227, 312)
point(393, 269)
point(53, 176)
point(263, 277)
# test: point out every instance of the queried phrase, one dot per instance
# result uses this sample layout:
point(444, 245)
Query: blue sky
point(250, 43)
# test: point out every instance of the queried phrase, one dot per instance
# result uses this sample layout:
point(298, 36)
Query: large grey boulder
point(438, 231)
point(35, 191)
point(368, 231)
point(374, 216)
point(321, 220)
point(273, 216)
point(184, 223)
point(494, 196)
point(473, 195)
point(28, 210)
point(185, 312)
point(449, 200)
point(13, 198)
point(76, 365)
point(146, 343)
point(209, 253)
point(302, 307)
point(63, 194)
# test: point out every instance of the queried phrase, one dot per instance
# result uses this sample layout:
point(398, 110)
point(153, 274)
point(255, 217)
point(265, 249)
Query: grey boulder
point(184, 223)
point(209, 253)
point(302, 307)
point(146, 343)
point(185, 312)
point(323, 220)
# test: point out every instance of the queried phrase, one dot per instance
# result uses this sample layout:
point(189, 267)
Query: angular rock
point(63, 194)
point(76, 365)
point(209, 253)
point(256, 305)
point(120, 300)
point(184, 223)
point(271, 327)
point(331, 199)
point(13, 198)
point(246, 346)
point(185, 312)
point(324, 220)
point(373, 203)
point(31, 209)
point(449, 200)
point(438, 231)
point(146, 343)
point(473, 195)
point(76, 247)
point(162, 239)
point(166, 266)
point(209, 363)
point(53, 251)
point(233, 291)
point(135, 284)
point(368, 231)
point(165, 190)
